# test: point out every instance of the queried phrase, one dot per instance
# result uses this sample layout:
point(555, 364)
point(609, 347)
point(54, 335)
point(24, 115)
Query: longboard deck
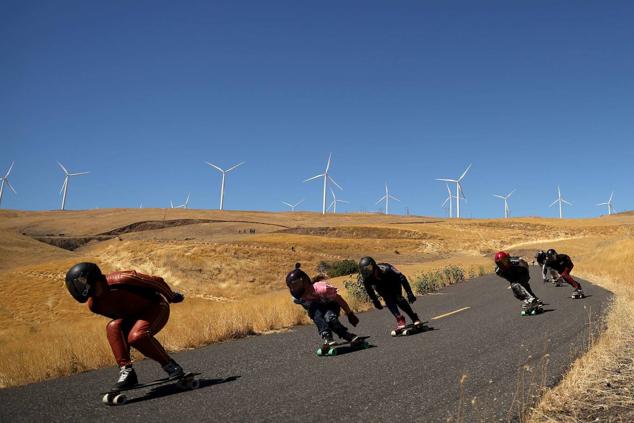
point(331, 350)
point(411, 329)
point(117, 397)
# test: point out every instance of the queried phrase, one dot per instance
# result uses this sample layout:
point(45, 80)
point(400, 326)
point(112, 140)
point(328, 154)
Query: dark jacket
point(388, 285)
point(516, 273)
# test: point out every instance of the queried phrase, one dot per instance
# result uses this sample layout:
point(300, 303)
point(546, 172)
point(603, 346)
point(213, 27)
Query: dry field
point(231, 266)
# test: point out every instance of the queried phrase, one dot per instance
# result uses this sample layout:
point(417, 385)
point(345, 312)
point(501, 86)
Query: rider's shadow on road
point(172, 389)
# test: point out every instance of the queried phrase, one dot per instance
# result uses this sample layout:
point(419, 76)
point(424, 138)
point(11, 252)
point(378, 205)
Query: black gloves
point(411, 297)
point(353, 319)
point(178, 297)
point(377, 304)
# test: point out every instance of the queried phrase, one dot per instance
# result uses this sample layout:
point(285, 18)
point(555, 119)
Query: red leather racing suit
point(138, 305)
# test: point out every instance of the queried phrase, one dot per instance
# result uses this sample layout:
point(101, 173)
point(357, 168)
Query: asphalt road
point(483, 363)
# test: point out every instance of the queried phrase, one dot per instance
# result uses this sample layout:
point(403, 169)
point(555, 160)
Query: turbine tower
point(292, 206)
point(222, 184)
point(333, 205)
point(326, 177)
point(387, 197)
point(610, 204)
point(561, 201)
point(65, 184)
point(507, 211)
point(459, 190)
point(5, 179)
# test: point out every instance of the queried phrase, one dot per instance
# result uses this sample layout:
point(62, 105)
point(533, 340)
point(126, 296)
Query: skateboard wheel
point(332, 352)
point(393, 333)
point(406, 332)
point(107, 398)
point(119, 399)
point(365, 345)
point(319, 352)
point(523, 312)
point(194, 384)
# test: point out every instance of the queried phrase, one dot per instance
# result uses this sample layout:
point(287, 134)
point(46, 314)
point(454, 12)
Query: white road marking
point(450, 313)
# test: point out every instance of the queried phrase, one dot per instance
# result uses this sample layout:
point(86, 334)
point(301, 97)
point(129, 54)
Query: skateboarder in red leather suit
point(138, 305)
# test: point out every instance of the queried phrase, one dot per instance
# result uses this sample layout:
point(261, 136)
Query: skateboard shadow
point(347, 350)
point(172, 389)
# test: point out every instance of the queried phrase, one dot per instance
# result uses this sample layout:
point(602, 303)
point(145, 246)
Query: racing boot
point(127, 378)
point(327, 338)
point(173, 370)
point(416, 321)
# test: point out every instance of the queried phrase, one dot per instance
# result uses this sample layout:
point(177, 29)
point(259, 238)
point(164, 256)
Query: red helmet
point(501, 256)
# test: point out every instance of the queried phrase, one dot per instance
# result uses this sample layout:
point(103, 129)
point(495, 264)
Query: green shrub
point(482, 271)
point(434, 280)
point(338, 268)
point(356, 290)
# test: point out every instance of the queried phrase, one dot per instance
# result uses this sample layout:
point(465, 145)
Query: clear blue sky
point(534, 93)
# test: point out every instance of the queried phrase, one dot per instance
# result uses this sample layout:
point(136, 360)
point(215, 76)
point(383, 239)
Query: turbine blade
point(381, 199)
point(447, 180)
point(464, 173)
point(289, 205)
point(464, 194)
point(446, 199)
point(336, 184)
point(554, 202)
point(299, 202)
point(566, 202)
point(510, 193)
point(63, 185)
point(233, 167)
point(394, 198)
point(328, 164)
point(171, 204)
point(314, 177)
point(602, 204)
point(448, 189)
point(63, 168)
point(9, 171)
point(343, 201)
point(77, 174)
point(216, 167)
point(498, 196)
point(10, 186)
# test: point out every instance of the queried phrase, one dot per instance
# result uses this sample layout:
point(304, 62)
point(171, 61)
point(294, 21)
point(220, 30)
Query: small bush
point(338, 268)
point(356, 290)
point(436, 279)
point(482, 271)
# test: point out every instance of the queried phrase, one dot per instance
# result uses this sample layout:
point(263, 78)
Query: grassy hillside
point(231, 267)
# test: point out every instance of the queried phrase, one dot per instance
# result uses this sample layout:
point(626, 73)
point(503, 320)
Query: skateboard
point(331, 350)
point(410, 329)
point(116, 397)
point(532, 311)
point(577, 296)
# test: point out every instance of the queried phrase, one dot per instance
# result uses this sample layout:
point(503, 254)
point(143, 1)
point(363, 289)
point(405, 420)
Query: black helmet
point(551, 253)
point(366, 267)
point(296, 280)
point(81, 279)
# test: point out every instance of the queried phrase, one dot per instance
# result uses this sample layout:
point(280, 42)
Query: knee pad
point(519, 291)
point(331, 317)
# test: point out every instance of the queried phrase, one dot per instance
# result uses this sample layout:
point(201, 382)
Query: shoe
point(327, 338)
point(578, 293)
point(173, 370)
point(127, 378)
point(400, 322)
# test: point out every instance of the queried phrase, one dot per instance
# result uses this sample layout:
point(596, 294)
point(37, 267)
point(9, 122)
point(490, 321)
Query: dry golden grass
point(600, 385)
point(233, 281)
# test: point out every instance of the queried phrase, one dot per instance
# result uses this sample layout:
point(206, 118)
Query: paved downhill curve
point(494, 351)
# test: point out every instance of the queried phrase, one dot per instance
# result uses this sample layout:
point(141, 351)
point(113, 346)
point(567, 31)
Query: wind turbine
point(326, 177)
point(65, 184)
point(333, 205)
point(459, 190)
point(609, 203)
point(4, 179)
point(292, 206)
point(506, 197)
point(222, 184)
point(387, 197)
point(561, 201)
point(182, 206)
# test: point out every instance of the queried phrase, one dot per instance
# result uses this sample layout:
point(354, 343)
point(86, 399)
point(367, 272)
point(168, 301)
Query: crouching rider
point(138, 305)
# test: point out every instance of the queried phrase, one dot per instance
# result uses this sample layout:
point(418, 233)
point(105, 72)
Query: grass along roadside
point(599, 385)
